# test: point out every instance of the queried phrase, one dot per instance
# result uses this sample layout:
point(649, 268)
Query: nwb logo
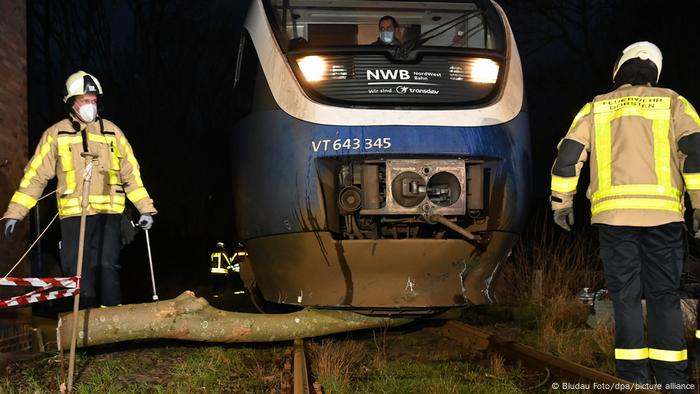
point(388, 74)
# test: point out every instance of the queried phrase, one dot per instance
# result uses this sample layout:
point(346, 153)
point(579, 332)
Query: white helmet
point(80, 83)
point(643, 50)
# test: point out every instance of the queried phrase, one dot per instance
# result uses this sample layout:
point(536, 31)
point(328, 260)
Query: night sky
point(167, 67)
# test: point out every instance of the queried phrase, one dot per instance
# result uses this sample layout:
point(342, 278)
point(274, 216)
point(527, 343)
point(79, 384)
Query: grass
point(170, 369)
point(547, 263)
point(409, 363)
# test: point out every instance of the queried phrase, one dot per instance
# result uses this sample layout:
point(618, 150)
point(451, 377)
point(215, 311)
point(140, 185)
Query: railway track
point(565, 370)
point(558, 370)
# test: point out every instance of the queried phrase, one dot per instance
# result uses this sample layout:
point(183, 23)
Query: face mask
point(88, 112)
point(386, 36)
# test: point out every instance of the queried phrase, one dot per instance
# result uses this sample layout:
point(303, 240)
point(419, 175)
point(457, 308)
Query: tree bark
point(190, 318)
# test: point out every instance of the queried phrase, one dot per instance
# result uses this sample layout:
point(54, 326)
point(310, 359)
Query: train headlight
point(481, 70)
point(314, 68)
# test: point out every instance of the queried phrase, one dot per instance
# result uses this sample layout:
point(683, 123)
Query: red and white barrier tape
point(71, 286)
point(69, 282)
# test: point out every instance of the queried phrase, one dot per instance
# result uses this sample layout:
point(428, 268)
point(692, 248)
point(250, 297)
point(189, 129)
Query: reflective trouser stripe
point(36, 163)
point(24, 200)
point(632, 354)
point(564, 185)
point(697, 334)
point(668, 355)
point(219, 271)
point(137, 194)
point(637, 203)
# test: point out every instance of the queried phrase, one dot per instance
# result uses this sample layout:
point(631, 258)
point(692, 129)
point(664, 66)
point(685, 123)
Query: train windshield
point(386, 53)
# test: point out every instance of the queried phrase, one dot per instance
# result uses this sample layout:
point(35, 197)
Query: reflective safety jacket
point(644, 146)
point(115, 174)
point(220, 262)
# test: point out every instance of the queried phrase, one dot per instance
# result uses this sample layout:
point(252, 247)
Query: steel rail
point(301, 376)
point(483, 340)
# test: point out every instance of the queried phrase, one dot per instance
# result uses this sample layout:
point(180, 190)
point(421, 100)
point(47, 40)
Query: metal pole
point(89, 161)
point(37, 227)
point(150, 263)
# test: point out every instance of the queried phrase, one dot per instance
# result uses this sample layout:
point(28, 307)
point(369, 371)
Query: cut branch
point(190, 318)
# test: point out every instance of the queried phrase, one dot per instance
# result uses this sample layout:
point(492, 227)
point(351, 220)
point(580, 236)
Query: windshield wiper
point(407, 47)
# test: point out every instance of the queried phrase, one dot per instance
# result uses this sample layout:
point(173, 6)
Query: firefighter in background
point(115, 177)
point(220, 263)
point(644, 146)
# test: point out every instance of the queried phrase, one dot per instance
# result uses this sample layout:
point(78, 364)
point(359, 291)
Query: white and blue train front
point(388, 178)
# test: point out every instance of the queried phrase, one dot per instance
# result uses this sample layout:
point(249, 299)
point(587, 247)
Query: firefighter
point(115, 177)
point(220, 263)
point(644, 146)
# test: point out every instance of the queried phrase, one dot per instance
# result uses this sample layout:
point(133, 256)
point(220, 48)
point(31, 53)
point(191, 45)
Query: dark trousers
point(99, 284)
point(646, 261)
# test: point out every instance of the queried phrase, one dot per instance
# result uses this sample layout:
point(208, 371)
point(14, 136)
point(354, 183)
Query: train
point(385, 177)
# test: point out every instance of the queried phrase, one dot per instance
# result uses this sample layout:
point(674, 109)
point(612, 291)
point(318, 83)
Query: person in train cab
point(66, 150)
point(388, 30)
point(643, 142)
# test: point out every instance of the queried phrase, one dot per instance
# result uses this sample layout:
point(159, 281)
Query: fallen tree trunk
point(190, 318)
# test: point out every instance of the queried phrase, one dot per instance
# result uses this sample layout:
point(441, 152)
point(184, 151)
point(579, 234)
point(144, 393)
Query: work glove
point(696, 223)
point(10, 226)
point(145, 222)
point(564, 218)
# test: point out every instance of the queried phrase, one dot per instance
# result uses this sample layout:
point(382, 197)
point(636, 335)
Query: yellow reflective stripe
point(134, 164)
point(24, 200)
point(662, 150)
point(70, 182)
point(219, 271)
point(113, 177)
point(69, 211)
point(97, 138)
point(36, 163)
point(656, 109)
point(689, 110)
point(117, 208)
point(637, 190)
point(668, 355)
point(632, 354)
point(97, 200)
point(697, 333)
point(137, 194)
point(583, 112)
point(64, 153)
point(564, 185)
point(112, 208)
point(68, 202)
point(692, 181)
point(637, 203)
point(603, 150)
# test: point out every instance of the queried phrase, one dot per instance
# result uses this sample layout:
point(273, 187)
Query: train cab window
point(341, 23)
point(443, 53)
